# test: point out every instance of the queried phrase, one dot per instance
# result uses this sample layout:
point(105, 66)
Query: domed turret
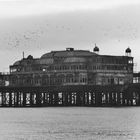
point(30, 57)
point(96, 49)
point(128, 52)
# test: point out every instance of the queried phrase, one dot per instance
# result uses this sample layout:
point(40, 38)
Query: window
point(130, 61)
point(121, 81)
point(13, 70)
point(69, 78)
point(83, 78)
point(43, 69)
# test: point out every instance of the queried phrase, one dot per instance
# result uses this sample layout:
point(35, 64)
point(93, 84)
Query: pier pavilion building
point(72, 67)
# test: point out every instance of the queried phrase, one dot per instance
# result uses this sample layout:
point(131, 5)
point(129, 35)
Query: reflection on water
point(79, 123)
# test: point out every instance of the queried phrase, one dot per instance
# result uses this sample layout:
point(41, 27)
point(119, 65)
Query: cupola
point(96, 49)
point(128, 52)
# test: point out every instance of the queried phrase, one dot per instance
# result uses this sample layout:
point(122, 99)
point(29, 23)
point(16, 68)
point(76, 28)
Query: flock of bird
point(24, 38)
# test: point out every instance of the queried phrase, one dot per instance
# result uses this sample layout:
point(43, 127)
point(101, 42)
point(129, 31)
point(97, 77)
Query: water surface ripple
point(70, 123)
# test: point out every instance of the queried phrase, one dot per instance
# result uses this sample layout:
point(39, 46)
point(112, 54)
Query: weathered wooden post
point(10, 99)
point(24, 99)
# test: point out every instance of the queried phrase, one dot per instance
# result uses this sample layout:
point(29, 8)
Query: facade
point(72, 67)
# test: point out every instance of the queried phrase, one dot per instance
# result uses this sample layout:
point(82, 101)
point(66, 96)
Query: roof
point(17, 63)
point(96, 49)
point(26, 60)
point(128, 50)
point(74, 53)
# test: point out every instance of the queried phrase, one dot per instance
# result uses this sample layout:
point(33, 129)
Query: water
point(70, 123)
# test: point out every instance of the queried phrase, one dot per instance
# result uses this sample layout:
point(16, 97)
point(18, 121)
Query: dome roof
point(30, 57)
point(96, 49)
point(68, 56)
point(128, 50)
point(73, 53)
point(17, 63)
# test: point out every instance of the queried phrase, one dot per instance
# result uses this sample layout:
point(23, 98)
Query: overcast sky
point(39, 26)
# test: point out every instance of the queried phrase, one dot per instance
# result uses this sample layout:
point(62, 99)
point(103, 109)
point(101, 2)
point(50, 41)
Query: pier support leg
point(24, 99)
point(98, 99)
point(10, 99)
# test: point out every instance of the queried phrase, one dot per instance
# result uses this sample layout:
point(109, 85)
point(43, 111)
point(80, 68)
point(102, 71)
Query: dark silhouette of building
point(73, 67)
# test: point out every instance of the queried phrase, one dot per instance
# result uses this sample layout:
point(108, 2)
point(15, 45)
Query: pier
point(71, 78)
point(98, 96)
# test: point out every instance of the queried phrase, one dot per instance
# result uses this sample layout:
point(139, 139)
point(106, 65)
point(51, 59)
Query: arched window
point(83, 78)
point(60, 79)
point(45, 80)
point(69, 78)
point(52, 80)
point(37, 80)
point(14, 80)
point(29, 80)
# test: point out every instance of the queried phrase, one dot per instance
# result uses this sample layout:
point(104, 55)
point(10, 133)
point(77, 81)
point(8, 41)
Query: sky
point(40, 26)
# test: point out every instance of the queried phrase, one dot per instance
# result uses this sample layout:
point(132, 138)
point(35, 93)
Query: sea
point(70, 123)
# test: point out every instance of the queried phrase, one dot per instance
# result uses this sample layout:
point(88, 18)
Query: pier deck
point(112, 95)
